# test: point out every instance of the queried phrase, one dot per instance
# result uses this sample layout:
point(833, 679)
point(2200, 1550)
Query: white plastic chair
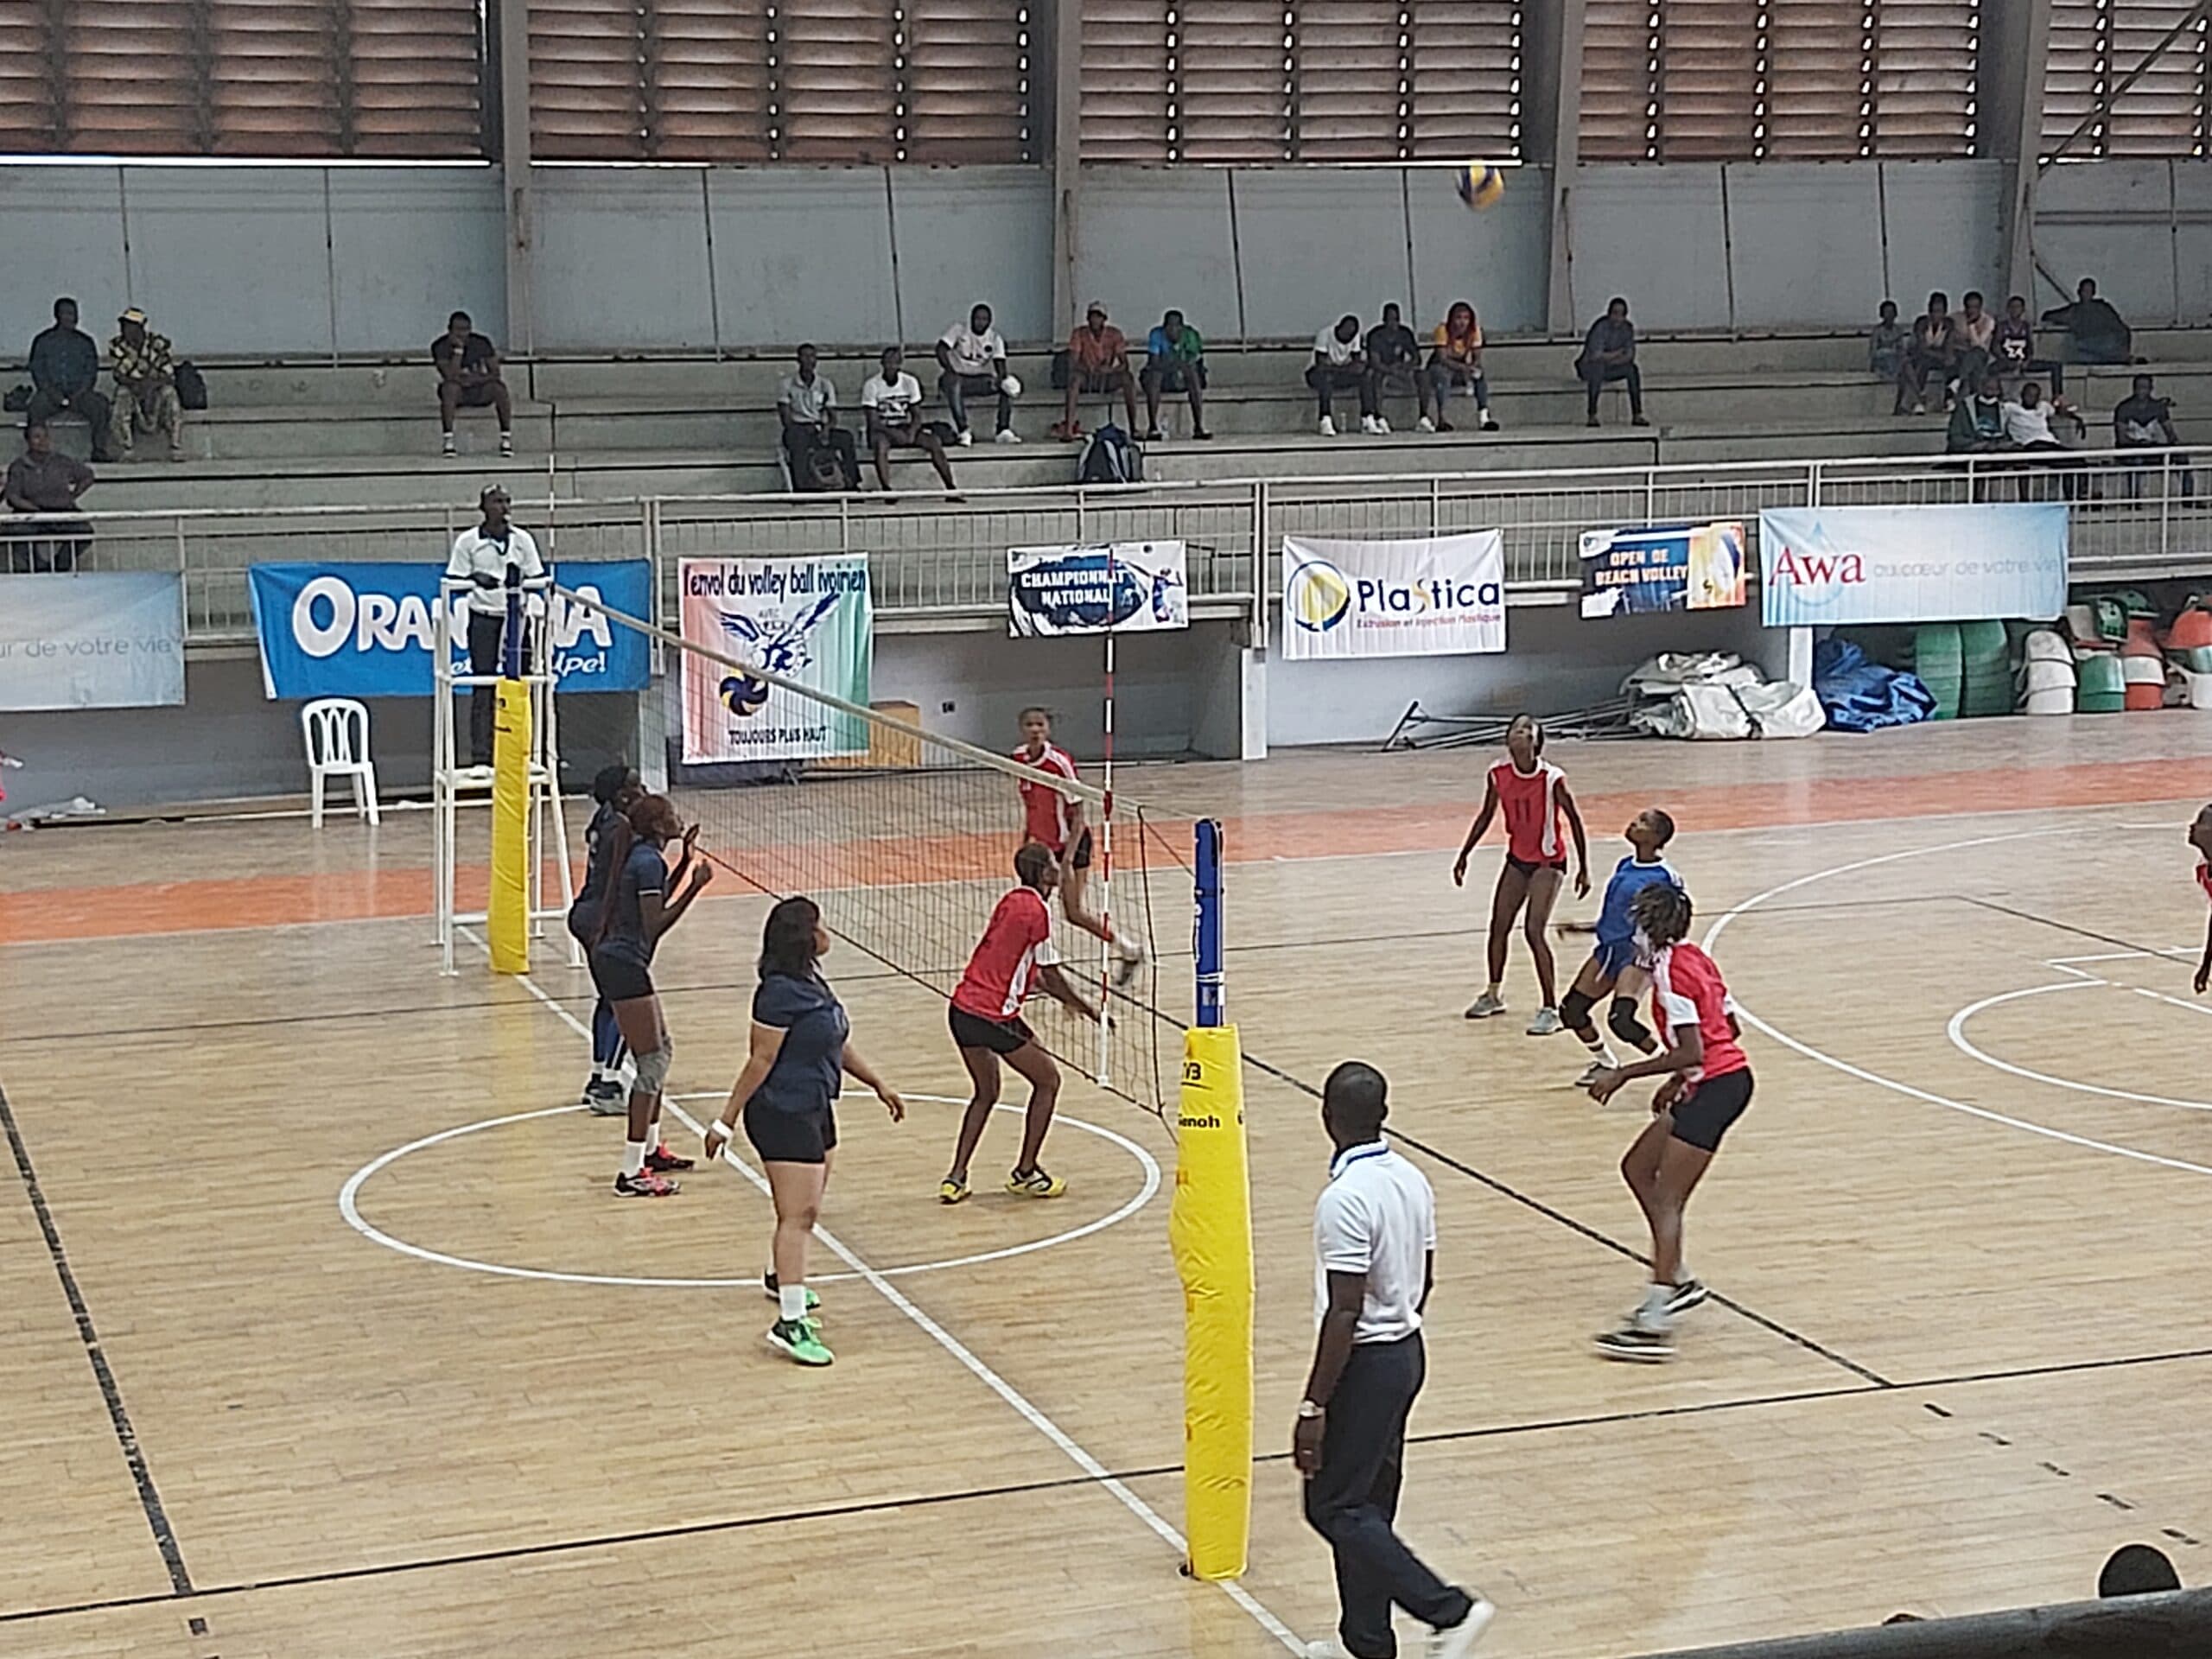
point(337, 733)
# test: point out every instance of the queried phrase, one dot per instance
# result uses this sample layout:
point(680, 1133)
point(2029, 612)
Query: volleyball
point(1480, 184)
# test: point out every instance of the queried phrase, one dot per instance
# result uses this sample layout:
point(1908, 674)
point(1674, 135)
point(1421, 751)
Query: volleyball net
point(905, 838)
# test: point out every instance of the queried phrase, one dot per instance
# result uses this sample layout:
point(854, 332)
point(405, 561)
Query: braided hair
point(1663, 914)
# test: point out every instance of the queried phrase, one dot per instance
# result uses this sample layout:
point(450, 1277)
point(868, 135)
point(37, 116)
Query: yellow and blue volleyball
point(1479, 184)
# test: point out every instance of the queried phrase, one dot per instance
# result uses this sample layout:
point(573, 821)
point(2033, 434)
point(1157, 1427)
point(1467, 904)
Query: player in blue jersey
point(1613, 964)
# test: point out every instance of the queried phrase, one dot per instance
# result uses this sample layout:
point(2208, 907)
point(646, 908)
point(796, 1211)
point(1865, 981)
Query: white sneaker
point(1382, 426)
point(1594, 1071)
point(1546, 1023)
point(967, 440)
point(1459, 1641)
point(446, 447)
point(1328, 426)
point(1424, 424)
point(1484, 1006)
point(1008, 436)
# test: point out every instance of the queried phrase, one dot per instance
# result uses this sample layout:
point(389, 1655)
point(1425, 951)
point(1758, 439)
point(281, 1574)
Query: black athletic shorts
point(782, 1137)
point(1702, 1118)
point(1528, 867)
point(999, 1036)
point(622, 973)
point(1082, 860)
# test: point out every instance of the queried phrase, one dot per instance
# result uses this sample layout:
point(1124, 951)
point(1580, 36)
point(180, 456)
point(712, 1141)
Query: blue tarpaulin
point(1860, 696)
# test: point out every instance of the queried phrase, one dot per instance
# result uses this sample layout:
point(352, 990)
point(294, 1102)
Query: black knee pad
point(1625, 1025)
point(1575, 1009)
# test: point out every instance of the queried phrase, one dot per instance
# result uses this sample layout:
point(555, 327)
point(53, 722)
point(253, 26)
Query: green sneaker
point(800, 1340)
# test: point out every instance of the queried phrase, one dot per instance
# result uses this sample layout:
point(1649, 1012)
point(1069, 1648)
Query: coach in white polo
point(481, 557)
point(1374, 1263)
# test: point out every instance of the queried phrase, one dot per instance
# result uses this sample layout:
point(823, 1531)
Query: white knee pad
point(652, 1069)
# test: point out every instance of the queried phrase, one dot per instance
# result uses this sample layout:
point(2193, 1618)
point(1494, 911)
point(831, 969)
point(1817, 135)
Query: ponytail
point(621, 840)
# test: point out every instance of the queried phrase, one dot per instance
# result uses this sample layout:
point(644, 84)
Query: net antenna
point(905, 838)
point(453, 787)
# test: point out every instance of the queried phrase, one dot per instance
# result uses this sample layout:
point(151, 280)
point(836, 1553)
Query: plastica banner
point(1819, 565)
point(809, 619)
point(99, 640)
point(1684, 567)
point(366, 630)
point(1103, 588)
point(1435, 596)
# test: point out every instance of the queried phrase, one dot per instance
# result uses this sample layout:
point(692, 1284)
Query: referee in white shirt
point(481, 556)
point(1374, 1263)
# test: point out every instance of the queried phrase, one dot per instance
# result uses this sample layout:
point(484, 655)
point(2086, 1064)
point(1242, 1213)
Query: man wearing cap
point(145, 387)
point(1098, 366)
point(481, 557)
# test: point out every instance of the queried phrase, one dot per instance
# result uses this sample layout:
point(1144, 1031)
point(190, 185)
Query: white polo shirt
point(1377, 1216)
point(475, 554)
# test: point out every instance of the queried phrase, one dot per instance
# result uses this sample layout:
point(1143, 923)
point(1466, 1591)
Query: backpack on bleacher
point(1110, 456)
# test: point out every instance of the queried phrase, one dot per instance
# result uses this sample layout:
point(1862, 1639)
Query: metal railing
point(2138, 512)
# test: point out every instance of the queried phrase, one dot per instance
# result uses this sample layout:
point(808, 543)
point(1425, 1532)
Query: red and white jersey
point(1687, 989)
point(2204, 879)
point(1044, 809)
point(1017, 942)
point(1530, 801)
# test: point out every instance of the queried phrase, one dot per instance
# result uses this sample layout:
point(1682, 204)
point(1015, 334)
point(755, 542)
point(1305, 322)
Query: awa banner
point(807, 618)
point(1819, 565)
point(1679, 568)
point(1099, 587)
point(1430, 596)
point(96, 639)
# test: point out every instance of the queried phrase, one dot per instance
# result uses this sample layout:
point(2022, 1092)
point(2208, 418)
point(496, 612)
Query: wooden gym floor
point(1957, 1353)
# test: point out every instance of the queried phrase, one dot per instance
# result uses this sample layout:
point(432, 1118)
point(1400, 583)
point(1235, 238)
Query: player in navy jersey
point(1611, 965)
point(616, 788)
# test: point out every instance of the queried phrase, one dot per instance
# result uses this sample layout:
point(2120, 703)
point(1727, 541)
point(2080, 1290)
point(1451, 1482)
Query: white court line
point(2160, 996)
point(2123, 955)
point(1251, 1604)
point(1965, 1044)
point(1713, 933)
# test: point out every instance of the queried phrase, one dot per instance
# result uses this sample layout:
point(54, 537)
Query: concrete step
point(381, 480)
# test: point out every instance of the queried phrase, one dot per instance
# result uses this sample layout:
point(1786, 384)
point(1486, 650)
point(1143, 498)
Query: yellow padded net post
point(1209, 1225)
point(506, 927)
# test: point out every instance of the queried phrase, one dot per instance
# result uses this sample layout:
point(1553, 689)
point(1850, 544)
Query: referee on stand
point(481, 557)
point(1374, 1264)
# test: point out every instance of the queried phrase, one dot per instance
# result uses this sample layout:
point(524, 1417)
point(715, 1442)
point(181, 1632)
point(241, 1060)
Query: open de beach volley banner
point(1421, 596)
point(808, 619)
point(1099, 587)
point(1682, 568)
point(1819, 565)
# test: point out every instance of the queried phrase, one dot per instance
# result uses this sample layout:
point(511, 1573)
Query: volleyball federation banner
point(809, 619)
point(98, 640)
point(1433, 596)
point(1685, 568)
point(1102, 587)
point(1819, 565)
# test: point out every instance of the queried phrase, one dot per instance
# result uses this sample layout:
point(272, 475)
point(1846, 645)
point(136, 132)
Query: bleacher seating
point(366, 432)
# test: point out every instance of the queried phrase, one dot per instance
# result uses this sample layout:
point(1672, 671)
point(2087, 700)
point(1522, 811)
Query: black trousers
point(486, 636)
point(1597, 375)
point(1352, 1500)
point(800, 444)
point(1327, 382)
point(45, 405)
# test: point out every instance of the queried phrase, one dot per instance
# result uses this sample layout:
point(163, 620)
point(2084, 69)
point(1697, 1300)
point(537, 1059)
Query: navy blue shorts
point(1615, 958)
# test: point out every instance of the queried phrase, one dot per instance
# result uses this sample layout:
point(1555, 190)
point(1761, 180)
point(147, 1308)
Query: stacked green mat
point(2101, 687)
point(1939, 661)
point(1985, 671)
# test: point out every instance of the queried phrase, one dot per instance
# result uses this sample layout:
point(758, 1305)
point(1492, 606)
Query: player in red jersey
point(2200, 836)
point(1013, 959)
point(1709, 1085)
point(1534, 796)
point(1055, 822)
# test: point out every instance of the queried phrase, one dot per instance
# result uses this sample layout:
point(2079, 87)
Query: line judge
point(482, 557)
point(1375, 1263)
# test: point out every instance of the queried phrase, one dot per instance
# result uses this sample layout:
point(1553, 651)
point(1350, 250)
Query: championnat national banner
point(98, 640)
point(808, 619)
point(1819, 565)
point(1682, 568)
point(365, 629)
point(1442, 595)
point(1101, 588)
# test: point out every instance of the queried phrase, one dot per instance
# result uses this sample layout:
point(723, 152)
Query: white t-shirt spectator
point(2024, 426)
point(892, 400)
point(1377, 1216)
point(1338, 353)
point(971, 352)
point(475, 554)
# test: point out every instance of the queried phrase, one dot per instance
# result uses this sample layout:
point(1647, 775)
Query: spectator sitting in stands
point(1609, 354)
point(1393, 357)
point(2100, 335)
point(2137, 1570)
point(65, 374)
point(1340, 365)
point(2144, 421)
point(971, 363)
point(806, 403)
point(1886, 345)
point(468, 378)
point(2012, 348)
point(891, 403)
point(1175, 360)
point(1976, 329)
point(1456, 360)
point(2027, 428)
point(1933, 349)
point(145, 388)
point(41, 480)
point(1978, 423)
point(1098, 366)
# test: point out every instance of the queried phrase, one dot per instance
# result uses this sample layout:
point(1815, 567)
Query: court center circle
point(348, 1206)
